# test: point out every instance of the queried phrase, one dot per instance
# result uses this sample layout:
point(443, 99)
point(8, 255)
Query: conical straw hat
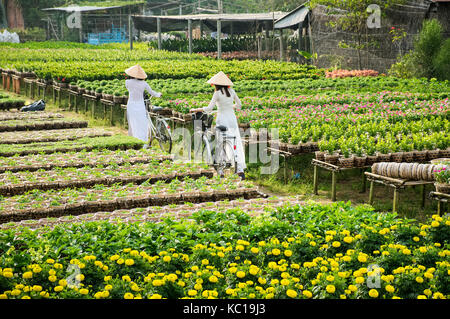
point(220, 79)
point(136, 72)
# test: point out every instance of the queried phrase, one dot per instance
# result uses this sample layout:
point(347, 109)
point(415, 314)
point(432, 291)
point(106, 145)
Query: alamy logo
point(373, 276)
point(74, 20)
point(374, 20)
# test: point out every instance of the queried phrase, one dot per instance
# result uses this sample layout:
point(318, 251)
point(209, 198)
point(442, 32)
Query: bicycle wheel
point(207, 156)
point(225, 157)
point(163, 135)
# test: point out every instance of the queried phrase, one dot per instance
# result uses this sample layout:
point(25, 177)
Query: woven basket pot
point(384, 157)
point(331, 158)
point(346, 162)
point(420, 156)
point(433, 154)
point(408, 157)
point(442, 188)
point(444, 153)
point(320, 156)
point(397, 157)
point(360, 161)
point(371, 159)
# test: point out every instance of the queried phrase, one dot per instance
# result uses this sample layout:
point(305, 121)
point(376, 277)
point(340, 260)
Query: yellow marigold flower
point(406, 251)
point(213, 279)
point(107, 278)
point(114, 257)
point(427, 292)
point(181, 283)
point(352, 288)
point(3, 296)
point(419, 280)
point(336, 244)
point(129, 262)
point(126, 278)
point(27, 275)
point(359, 280)
point(331, 289)
point(120, 261)
point(155, 296)
point(291, 293)
point(428, 275)
point(205, 262)
point(435, 223)
point(37, 288)
point(262, 281)
point(312, 243)
point(362, 258)
point(421, 297)
point(157, 282)
point(52, 278)
point(285, 282)
point(373, 293)
point(128, 295)
point(389, 288)
point(330, 278)
point(288, 253)
point(276, 251)
point(192, 292)
point(240, 274)
point(83, 291)
point(307, 293)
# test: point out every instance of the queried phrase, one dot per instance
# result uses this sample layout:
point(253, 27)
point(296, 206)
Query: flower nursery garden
point(87, 213)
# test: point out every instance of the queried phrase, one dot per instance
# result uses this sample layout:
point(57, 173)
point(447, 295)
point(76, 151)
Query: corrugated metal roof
point(236, 23)
point(80, 9)
point(292, 19)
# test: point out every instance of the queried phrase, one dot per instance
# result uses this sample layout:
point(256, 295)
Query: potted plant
point(442, 178)
point(117, 97)
point(420, 153)
point(397, 154)
point(360, 158)
point(372, 157)
point(331, 156)
point(346, 160)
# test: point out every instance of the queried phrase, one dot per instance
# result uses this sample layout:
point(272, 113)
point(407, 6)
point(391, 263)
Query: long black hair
point(223, 88)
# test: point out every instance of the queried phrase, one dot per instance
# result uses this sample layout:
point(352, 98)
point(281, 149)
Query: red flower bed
point(350, 73)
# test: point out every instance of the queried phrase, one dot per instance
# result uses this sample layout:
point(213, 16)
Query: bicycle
point(220, 153)
point(159, 130)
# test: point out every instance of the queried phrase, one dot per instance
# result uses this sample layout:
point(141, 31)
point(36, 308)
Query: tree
point(353, 17)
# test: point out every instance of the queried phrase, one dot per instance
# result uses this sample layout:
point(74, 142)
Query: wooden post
point(81, 29)
point(281, 46)
point(259, 48)
point(201, 29)
point(363, 190)
point(316, 179)
point(158, 27)
point(190, 35)
point(423, 195)
point(333, 185)
point(219, 40)
point(300, 31)
point(371, 192)
point(267, 40)
point(395, 202)
point(130, 31)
